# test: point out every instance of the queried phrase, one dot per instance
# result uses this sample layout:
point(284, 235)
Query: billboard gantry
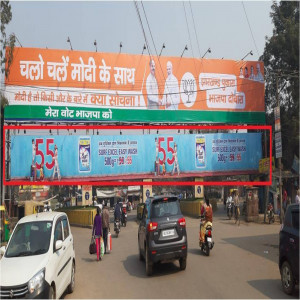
point(75, 85)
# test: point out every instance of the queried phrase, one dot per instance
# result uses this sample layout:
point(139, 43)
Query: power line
point(187, 25)
point(250, 29)
point(195, 29)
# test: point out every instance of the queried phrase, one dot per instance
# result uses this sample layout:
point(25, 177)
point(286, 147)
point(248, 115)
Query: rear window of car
point(165, 207)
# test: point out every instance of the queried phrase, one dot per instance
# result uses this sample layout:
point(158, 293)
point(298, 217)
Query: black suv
point(162, 233)
point(289, 249)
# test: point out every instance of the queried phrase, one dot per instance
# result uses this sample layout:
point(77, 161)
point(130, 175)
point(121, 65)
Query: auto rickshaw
point(5, 229)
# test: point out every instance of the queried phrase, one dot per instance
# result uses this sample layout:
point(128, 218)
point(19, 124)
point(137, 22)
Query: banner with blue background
point(98, 156)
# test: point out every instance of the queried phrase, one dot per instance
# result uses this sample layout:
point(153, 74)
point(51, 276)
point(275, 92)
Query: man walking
point(105, 225)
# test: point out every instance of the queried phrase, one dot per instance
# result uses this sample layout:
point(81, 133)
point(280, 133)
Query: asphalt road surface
point(243, 264)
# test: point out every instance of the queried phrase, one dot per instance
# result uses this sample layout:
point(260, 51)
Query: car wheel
point(71, 286)
point(51, 292)
point(182, 263)
point(149, 264)
point(141, 258)
point(287, 278)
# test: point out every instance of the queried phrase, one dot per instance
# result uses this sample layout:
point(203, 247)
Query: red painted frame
point(135, 127)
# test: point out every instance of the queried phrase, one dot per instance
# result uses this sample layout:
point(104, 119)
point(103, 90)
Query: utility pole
point(279, 159)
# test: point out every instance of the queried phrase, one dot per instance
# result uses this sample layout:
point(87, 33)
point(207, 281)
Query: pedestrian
point(105, 225)
point(285, 196)
point(297, 198)
point(97, 232)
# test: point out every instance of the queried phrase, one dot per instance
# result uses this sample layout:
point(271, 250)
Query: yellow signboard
point(264, 165)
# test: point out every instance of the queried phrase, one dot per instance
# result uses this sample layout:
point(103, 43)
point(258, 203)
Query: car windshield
point(165, 207)
point(32, 238)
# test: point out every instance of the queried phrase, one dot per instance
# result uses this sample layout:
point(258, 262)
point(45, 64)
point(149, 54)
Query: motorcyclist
point(117, 212)
point(124, 211)
point(207, 219)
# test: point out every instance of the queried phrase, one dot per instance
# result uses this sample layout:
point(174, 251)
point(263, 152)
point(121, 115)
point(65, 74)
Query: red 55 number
point(169, 149)
point(49, 152)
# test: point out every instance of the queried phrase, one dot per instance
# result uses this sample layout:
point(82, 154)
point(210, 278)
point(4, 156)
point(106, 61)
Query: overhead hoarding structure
point(73, 86)
point(63, 85)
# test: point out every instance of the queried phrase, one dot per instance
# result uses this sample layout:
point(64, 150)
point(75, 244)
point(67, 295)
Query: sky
point(220, 25)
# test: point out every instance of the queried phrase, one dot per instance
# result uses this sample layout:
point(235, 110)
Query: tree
point(281, 59)
point(6, 60)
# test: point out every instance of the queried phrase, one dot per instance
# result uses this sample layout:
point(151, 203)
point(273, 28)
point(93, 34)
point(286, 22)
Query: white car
point(39, 261)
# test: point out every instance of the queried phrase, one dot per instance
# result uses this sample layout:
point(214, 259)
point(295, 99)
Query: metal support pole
point(267, 187)
point(279, 162)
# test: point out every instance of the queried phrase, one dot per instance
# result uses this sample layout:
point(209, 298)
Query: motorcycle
point(208, 243)
point(271, 216)
point(230, 210)
point(124, 216)
point(117, 227)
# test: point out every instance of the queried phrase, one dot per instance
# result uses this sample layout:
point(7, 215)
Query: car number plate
point(209, 239)
point(168, 232)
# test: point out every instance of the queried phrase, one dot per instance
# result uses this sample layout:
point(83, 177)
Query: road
point(243, 264)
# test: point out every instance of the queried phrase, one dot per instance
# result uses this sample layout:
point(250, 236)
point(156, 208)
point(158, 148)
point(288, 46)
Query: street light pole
point(279, 161)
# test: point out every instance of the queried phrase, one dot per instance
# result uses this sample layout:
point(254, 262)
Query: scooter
point(117, 227)
point(230, 210)
point(271, 216)
point(124, 216)
point(208, 243)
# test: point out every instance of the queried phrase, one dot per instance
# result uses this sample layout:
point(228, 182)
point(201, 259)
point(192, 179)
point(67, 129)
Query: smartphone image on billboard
point(84, 153)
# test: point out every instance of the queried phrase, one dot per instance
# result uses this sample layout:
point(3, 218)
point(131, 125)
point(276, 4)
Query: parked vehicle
point(289, 249)
point(271, 216)
point(208, 243)
point(39, 260)
point(162, 232)
point(117, 227)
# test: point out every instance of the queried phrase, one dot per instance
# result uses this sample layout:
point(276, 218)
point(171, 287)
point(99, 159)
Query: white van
point(39, 260)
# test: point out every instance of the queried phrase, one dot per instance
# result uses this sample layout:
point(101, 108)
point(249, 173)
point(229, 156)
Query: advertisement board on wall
point(72, 85)
point(67, 156)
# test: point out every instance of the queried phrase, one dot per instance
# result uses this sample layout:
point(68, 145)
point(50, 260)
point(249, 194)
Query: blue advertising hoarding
point(65, 156)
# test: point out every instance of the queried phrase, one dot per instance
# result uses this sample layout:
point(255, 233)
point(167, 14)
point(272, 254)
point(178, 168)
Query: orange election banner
point(113, 80)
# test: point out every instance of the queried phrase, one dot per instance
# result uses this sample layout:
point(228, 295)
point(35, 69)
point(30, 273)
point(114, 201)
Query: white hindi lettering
point(104, 74)
point(58, 71)
point(32, 69)
point(82, 72)
point(124, 75)
point(107, 114)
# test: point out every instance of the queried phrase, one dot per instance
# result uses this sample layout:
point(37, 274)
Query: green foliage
point(281, 59)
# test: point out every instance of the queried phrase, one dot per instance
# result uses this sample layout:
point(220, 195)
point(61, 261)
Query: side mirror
point(2, 250)
point(58, 245)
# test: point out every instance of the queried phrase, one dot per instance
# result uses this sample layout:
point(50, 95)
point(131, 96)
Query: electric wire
point(195, 28)
point(250, 29)
point(187, 25)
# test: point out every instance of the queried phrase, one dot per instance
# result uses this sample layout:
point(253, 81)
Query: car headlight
point(36, 281)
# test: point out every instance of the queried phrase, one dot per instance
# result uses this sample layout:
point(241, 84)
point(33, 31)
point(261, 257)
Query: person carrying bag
point(97, 232)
